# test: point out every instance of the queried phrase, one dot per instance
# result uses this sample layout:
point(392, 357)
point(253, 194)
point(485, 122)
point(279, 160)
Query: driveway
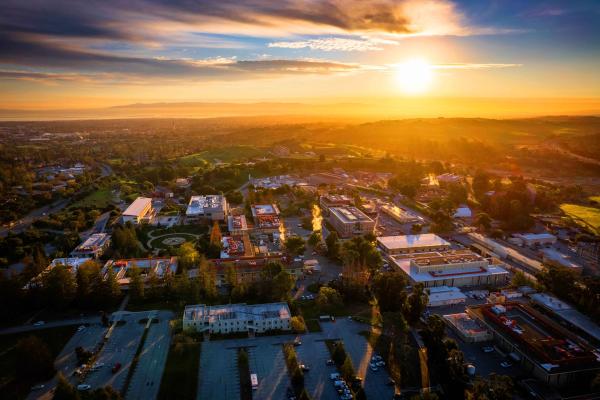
point(145, 382)
point(314, 354)
point(374, 382)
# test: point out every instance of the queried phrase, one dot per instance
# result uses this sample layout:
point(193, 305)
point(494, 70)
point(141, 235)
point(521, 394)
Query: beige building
point(349, 221)
point(139, 211)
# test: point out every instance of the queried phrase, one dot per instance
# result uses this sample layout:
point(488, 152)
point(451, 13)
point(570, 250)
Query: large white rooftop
point(137, 208)
point(412, 241)
point(349, 214)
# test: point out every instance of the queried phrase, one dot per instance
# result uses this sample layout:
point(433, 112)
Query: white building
point(463, 212)
point(537, 239)
point(72, 263)
point(231, 318)
point(139, 211)
point(210, 207)
point(400, 214)
point(406, 244)
point(349, 221)
point(93, 247)
point(450, 268)
point(445, 296)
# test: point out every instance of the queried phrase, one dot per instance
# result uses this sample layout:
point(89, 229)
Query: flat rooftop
point(199, 205)
point(138, 206)
point(551, 345)
point(237, 223)
point(264, 209)
point(411, 241)
point(410, 263)
point(244, 312)
point(568, 313)
point(349, 214)
point(537, 236)
point(94, 241)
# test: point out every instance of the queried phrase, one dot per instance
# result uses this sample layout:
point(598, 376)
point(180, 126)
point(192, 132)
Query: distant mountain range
point(369, 109)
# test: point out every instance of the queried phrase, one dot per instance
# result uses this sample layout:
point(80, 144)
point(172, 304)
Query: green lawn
point(587, 217)
point(180, 378)
point(226, 154)
point(99, 199)
point(10, 386)
point(364, 312)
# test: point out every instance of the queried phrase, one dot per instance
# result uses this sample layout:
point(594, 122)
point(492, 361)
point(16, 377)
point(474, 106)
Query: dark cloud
point(32, 54)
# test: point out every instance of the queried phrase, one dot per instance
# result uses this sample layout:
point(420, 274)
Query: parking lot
point(120, 348)
point(145, 382)
point(266, 360)
point(219, 378)
point(374, 382)
point(314, 354)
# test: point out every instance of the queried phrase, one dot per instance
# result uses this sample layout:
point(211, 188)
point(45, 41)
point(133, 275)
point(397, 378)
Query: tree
point(64, 390)
point(390, 291)
point(298, 324)
point(89, 281)
point(415, 229)
point(361, 253)
point(82, 355)
point(136, 283)
point(333, 246)
point(328, 299)
point(207, 279)
point(215, 234)
point(33, 359)
point(484, 221)
point(295, 245)
point(416, 303)
point(314, 238)
point(347, 369)
point(496, 387)
point(59, 286)
point(188, 256)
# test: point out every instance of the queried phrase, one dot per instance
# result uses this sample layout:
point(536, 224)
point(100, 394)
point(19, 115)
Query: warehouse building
point(544, 348)
point(400, 214)
point(233, 318)
point(349, 221)
point(450, 268)
point(407, 244)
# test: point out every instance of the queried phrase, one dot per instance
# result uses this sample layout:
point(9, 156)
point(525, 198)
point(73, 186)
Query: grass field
point(587, 217)
point(226, 154)
point(10, 386)
point(99, 199)
point(180, 379)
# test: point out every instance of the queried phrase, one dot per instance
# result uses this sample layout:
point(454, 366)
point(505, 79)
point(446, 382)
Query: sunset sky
point(97, 53)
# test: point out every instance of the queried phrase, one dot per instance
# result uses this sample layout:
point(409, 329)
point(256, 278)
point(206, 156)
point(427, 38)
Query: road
point(66, 362)
point(51, 324)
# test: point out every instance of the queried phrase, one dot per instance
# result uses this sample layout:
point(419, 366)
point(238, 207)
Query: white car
point(39, 323)
point(380, 363)
point(506, 364)
point(373, 367)
point(83, 387)
point(334, 376)
point(82, 327)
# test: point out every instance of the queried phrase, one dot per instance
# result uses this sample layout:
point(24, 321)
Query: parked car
point(391, 382)
point(380, 363)
point(373, 367)
point(334, 376)
point(81, 327)
point(83, 387)
point(330, 362)
point(304, 368)
point(116, 368)
point(506, 364)
point(39, 323)
point(488, 349)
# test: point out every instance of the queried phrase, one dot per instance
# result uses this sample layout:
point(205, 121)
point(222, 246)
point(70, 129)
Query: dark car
point(116, 368)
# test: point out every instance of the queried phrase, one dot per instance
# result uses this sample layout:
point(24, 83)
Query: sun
point(414, 76)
